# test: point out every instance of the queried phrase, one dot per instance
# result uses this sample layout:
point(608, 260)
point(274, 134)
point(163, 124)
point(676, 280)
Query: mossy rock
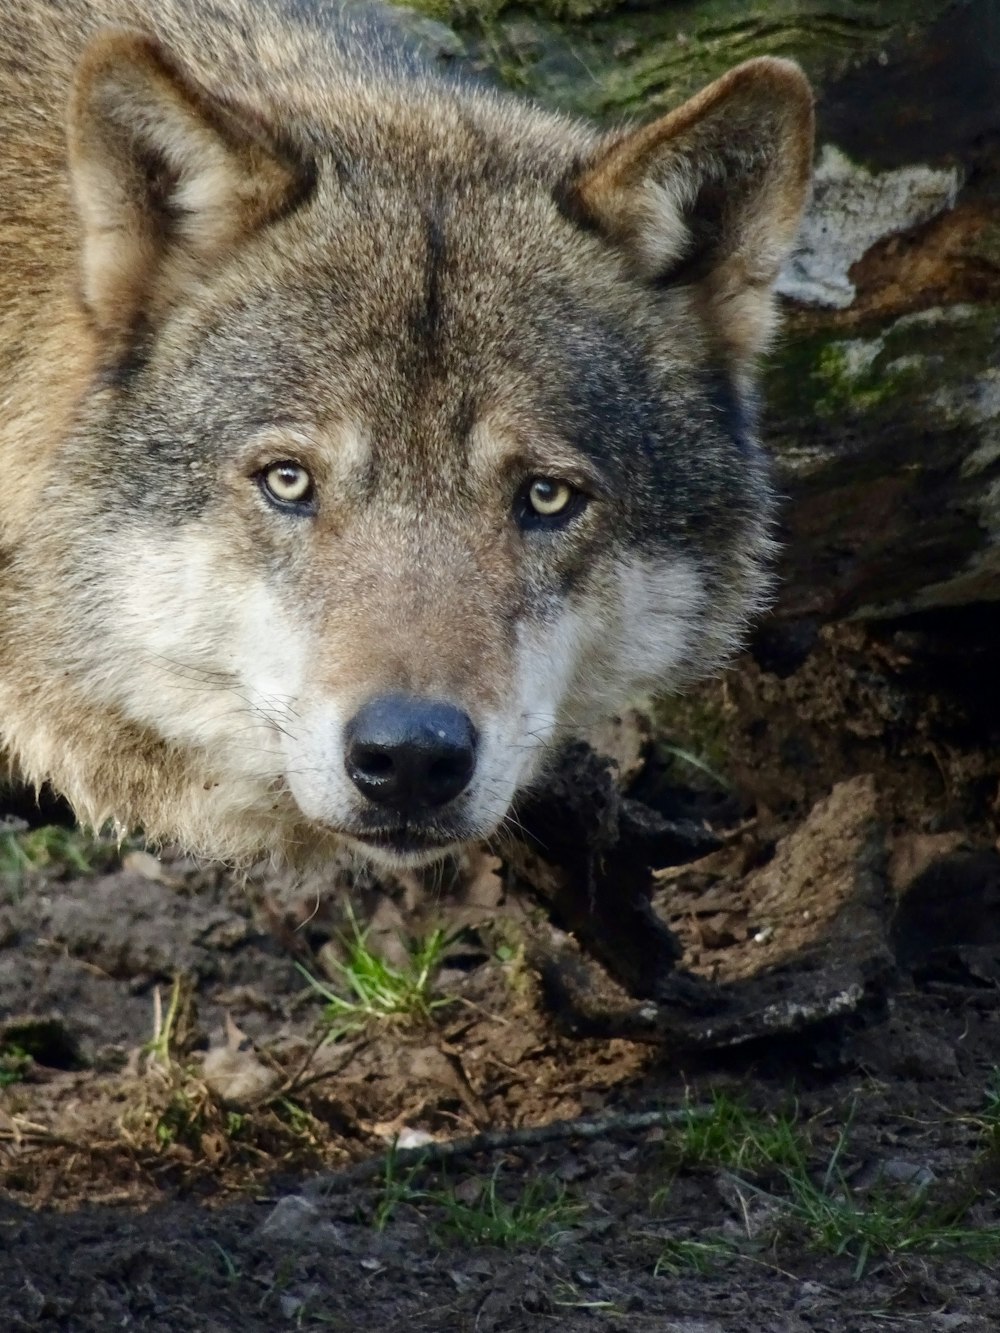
point(916, 365)
point(888, 448)
point(608, 58)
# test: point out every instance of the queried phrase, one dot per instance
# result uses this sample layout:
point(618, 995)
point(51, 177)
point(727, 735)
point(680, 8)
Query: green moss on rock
point(692, 734)
point(607, 58)
point(911, 367)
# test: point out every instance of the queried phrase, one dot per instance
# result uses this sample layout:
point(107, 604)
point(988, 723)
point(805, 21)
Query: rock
point(901, 1050)
point(233, 1073)
point(851, 209)
point(413, 1138)
point(913, 1174)
point(139, 862)
point(300, 1221)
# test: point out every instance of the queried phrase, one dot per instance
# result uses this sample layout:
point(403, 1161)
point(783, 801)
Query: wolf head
point(421, 431)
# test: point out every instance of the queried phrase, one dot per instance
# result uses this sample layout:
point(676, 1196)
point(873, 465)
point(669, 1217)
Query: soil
point(840, 927)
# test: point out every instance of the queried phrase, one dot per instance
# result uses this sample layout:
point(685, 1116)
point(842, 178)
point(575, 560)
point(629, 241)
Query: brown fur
point(231, 239)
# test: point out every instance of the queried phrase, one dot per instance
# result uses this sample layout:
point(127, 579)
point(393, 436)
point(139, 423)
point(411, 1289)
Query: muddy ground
point(181, 1149)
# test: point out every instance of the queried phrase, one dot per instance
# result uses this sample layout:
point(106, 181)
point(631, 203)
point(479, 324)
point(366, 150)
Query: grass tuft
point(883, 1222)
point(483, 1215)
point(812, 1202)
point(15, 1062)
point(373, 989)
point(686, 1255)
point(52, 850)
point(532, 1218)
point(728, 1134)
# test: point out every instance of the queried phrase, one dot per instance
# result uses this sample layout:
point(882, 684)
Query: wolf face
point(419, 436)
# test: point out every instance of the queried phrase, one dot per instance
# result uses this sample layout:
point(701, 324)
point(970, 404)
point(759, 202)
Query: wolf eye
point(548, 497)
point(547, 502)
point(286, 483)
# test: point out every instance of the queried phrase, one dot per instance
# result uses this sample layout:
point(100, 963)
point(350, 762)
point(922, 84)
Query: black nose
point(409, 753)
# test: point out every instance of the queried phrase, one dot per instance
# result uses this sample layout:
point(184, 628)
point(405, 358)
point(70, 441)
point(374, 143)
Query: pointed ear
point(166, 177)
point(710, 195)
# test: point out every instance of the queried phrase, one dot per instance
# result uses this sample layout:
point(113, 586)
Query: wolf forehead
point(424, 292)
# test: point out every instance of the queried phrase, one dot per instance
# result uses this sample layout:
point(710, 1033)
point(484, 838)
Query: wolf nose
point(409, 753)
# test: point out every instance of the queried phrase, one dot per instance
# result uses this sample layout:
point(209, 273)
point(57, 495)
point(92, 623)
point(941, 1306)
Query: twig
point(498, 1140)
point(19, 1130)
point(298, 1082)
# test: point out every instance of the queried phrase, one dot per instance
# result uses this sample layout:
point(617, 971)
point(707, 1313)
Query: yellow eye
point(549, 497)
point(288, 483)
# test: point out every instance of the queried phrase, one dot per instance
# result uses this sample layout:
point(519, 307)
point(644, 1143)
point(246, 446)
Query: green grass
point(814, 1203)
point(486, 1214)
point(396, 1188)
point(185, 1111)
point(882, 1222)
point(52, 849)
point(728, 1134)
point(686, 1255)
point(680, 755)
point(15, 1062)
point(372, 989)
point(183, 1120)
point(534, 1217)
point(161, 1046)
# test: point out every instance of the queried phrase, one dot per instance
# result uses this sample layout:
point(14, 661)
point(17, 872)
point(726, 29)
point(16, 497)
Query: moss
point(606, 58)
point(907, 365)
point(693, 733)
point(469, 12)
point(856, 376)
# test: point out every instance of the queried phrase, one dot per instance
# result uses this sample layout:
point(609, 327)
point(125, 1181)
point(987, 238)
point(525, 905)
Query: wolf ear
point(166, 178)
point(710, 196)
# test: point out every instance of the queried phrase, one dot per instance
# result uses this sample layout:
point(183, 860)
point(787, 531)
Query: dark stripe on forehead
point(434, 228)
point(426, 321)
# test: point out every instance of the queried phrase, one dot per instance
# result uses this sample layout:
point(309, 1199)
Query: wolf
point(366, 432)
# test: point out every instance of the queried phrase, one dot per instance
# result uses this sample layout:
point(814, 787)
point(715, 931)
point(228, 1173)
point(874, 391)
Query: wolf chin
point(365, 431)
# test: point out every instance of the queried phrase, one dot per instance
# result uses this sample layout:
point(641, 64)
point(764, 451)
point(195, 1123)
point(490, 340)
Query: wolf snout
point(410, 754)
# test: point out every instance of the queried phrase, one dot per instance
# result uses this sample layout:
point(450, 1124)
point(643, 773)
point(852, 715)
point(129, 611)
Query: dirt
point(841, 961)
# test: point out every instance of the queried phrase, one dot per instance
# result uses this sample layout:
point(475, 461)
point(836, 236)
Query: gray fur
point(428, 294)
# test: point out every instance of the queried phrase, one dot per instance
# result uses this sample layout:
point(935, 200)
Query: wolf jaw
point(428, 300)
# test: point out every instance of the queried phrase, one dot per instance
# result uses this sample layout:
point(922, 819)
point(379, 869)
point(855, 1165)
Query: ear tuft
point(710, 195)
point(166, 178)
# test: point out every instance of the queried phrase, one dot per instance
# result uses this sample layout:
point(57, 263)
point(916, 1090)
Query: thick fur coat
point(326, 378)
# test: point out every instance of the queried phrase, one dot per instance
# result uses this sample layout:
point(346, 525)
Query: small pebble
point(413, 1138)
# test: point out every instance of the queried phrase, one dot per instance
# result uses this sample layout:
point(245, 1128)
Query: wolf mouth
point(404, 839)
